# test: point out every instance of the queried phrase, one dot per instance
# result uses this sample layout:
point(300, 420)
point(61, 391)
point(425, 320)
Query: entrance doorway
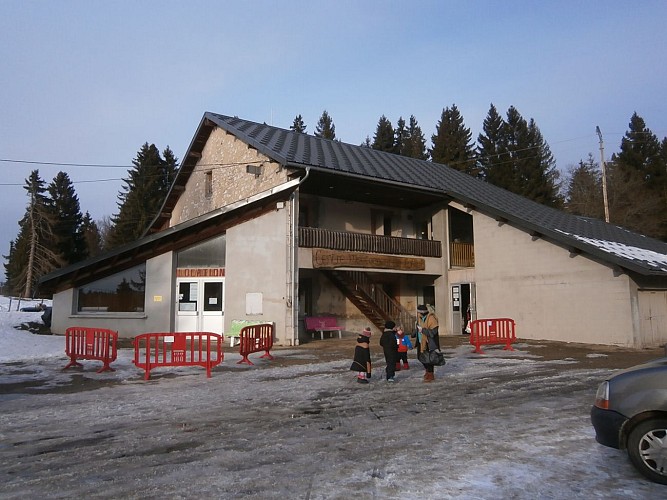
point(200, 305)
point(463, 306)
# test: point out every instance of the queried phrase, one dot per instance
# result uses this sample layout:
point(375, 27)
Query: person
point(404, 345)
point(390, 349)
point(427, 338)
point(362, 356)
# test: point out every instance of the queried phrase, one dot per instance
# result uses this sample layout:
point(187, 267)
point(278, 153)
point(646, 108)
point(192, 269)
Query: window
point(208, 184)
point(121, 292)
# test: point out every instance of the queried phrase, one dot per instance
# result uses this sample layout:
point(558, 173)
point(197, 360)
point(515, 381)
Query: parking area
point(503, 425)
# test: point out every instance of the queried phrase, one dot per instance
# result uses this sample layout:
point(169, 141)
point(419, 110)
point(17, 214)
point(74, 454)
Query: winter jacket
point(403, 342)
point(362, 355)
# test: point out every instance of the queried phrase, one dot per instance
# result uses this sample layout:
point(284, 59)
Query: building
point(273, 225)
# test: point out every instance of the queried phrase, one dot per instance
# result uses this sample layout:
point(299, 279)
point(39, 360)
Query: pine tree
point(63, 203)
point(30, 255)
point(325, 127)
point(452, 144)
point(143, 194)
point(415, 142)
point(584, 190)
point(383, 140)
point(298, 125)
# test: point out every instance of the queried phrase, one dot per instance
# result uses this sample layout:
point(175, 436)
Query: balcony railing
point(462, 254)
point(311, 237)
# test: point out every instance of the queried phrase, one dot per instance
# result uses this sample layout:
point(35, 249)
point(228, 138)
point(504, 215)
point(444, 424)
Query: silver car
point(630, 412)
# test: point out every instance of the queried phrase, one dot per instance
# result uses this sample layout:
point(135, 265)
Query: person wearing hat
point(390, 349)
point(427, 337)
point(362, 356)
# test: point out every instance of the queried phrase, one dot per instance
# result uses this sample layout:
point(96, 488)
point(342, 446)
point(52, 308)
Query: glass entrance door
point(200, 306)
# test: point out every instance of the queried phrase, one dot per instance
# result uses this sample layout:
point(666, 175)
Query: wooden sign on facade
point(331, 259)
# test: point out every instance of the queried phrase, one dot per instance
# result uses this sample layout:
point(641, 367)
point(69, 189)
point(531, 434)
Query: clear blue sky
point(89, 82)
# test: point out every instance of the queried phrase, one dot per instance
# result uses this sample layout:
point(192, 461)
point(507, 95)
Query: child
point(404, 345)
point(390, 349)
point(362, 356)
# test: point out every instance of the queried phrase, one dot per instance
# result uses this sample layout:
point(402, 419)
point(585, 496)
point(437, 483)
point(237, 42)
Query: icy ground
point(504, 425)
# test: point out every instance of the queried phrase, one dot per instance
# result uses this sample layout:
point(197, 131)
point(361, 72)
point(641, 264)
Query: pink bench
point(321, 324)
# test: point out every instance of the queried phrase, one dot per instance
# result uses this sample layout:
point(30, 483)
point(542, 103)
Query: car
point(630, 413)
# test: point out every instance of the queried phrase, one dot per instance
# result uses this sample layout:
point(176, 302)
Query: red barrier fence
point(492, 331)
point(153, 350)
point(256, 338)
point(91, 343)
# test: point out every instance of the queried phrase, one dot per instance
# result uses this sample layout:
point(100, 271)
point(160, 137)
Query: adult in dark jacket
point(390, 349)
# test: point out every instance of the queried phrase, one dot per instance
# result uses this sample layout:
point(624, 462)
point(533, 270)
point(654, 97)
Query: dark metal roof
point(607, 242)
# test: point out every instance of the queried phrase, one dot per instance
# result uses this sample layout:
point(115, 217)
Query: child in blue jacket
point(404, 345)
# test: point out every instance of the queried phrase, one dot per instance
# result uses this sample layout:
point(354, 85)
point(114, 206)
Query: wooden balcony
point(311, 237)
point(462, 254)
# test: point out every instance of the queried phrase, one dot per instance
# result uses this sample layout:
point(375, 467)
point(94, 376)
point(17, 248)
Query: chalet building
point(266, 224)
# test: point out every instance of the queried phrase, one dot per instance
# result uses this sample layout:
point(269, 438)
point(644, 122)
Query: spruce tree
point(383, 140)
point(452, 144)
point(31, 255)
point(63, 203)
point(143, 193)
point(515, 156)
point(325, 127)
point(401, 135)
point(415, 142)
point(641, 161)
point(92, 236)
point(298, 125)
point(493, 158)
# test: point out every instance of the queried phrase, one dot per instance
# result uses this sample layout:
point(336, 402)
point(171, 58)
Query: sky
point(499, 425)
point(88, 83)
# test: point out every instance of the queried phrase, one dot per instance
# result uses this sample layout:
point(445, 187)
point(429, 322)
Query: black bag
point(435, 358)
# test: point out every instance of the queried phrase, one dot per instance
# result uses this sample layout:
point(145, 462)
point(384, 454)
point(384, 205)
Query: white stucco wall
point(257, 262)
point(549, 293)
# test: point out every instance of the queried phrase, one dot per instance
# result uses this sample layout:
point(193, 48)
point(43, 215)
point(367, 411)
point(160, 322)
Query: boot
point(406, 366)
point(397, 368)
point(429, 377)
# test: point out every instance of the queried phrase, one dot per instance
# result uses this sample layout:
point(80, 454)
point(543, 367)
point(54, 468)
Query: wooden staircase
point(371, 299)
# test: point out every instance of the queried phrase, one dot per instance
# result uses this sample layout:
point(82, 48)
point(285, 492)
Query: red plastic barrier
point(153, 350)
point(256, 338)
point(91, 343)
point(492, 331)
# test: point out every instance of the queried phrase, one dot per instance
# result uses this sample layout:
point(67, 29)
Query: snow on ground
point(504, 425)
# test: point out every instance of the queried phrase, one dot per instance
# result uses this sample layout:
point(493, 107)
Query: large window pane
point(121, 292)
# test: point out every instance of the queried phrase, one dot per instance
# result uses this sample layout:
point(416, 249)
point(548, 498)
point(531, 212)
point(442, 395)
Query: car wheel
point(647, 448)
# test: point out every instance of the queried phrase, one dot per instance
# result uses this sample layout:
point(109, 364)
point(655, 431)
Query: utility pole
point(604, 176)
